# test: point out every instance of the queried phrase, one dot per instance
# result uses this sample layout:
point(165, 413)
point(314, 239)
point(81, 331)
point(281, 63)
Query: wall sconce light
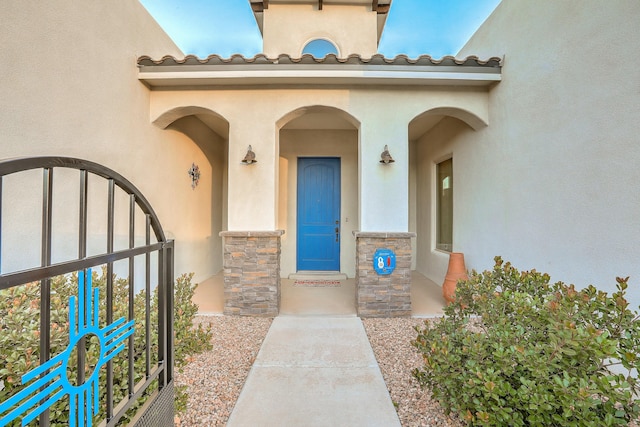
point(194, 173)
point(386, 156)
point(250, 157)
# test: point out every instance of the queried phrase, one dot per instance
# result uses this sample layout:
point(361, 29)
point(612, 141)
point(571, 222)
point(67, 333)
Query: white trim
point(314, 77)
point(323, 38)
point(434, 203)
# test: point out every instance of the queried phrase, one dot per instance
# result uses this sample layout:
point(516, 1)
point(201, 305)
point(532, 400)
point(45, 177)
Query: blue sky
point(414, 27)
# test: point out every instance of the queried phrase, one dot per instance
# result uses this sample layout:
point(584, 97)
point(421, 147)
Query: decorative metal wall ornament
point(49, 382)
point(386, 156)
point(250, 157)
point(194, 173)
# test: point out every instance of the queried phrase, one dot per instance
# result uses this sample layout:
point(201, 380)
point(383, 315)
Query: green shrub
point(516, 350)
point(189, 340)
point(20, 331)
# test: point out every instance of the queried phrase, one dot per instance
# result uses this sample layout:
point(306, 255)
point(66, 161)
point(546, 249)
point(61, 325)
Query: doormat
point(317, 283)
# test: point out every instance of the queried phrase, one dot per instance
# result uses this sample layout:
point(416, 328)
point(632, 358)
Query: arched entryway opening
point(203, 136)
point(439, 188)
point(318, 203)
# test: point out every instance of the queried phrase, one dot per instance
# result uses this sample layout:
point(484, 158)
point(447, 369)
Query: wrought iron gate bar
point(169, 361)
point(139, 389)
point(35, 399)
point(32, 275)
point(147, 298)
point(110, 233)
point(82, 215)
point(26, 163)
point(82, 253)
point(162, 321)
point(45, 284)
point(131, 314)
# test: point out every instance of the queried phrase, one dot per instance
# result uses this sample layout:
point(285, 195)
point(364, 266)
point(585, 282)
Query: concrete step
point(318, 275)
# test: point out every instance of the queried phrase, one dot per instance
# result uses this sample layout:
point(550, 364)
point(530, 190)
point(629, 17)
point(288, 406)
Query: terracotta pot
point(456, 271)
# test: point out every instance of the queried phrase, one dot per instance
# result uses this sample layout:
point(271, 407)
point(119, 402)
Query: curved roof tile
point(331, 59)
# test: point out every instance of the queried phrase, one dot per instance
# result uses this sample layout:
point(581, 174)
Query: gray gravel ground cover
point(215, 378)
point(397, 358)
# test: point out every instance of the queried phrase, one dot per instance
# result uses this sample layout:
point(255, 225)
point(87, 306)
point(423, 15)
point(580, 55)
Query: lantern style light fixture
point(385, 157)
point(250, 157)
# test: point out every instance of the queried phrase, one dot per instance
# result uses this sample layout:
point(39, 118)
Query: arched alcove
point(427, 119)
point(209, 132)
point(210, 118)
point(318, 134)
point(437, 138)
point(318, 117)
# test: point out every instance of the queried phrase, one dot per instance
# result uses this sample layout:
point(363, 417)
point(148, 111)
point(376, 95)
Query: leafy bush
point(516, 350)
point(188, 340)
point(20, 332)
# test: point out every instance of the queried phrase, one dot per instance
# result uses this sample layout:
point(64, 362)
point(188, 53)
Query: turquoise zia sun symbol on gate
point(48, 383)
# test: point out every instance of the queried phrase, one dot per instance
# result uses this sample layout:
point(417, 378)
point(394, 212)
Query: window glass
point(444, 205)
point(320, 48)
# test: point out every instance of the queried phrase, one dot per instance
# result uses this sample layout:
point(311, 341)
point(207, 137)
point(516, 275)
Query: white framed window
point(320, 48)
point(444, 205)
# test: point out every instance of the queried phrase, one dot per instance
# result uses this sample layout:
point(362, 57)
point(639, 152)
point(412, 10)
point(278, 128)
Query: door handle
point(337, 234)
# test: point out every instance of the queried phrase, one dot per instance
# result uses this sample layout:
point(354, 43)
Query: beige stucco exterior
point(70, 88)
point(545, 158)
point(259, 118)
point(552, 182)
point(352, 29)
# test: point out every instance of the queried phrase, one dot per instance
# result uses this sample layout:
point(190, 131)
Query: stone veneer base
point(251, 272)
point(383, 295)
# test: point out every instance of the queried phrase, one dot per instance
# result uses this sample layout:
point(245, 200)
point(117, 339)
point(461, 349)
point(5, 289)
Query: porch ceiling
point(319, 120)
point(418, 128)
point(309, 71)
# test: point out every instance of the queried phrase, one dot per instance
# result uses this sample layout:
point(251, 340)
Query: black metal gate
point(129, 378)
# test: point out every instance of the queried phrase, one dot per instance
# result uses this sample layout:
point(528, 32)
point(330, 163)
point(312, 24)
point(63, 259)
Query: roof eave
point(163, 78)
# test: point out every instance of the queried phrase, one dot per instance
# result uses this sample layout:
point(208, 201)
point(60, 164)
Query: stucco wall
point(202, 226)
point(257, 194)
point(69, 87)
point(443, 141)
point(384, 115)
point(353, 29)
point(552, 182)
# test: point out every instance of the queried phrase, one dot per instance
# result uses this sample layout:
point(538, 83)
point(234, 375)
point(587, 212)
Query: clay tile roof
point(331, 59)
point(285, 70)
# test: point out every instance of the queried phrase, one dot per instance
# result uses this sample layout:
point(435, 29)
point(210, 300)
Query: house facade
point(318, 126)
point(524, 145)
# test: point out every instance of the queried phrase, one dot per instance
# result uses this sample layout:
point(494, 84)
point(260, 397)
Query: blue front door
point(318, 214)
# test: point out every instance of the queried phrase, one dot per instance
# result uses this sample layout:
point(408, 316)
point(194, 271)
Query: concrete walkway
point(315, 371)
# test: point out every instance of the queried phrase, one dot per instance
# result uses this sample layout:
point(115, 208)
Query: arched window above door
point(320, 48)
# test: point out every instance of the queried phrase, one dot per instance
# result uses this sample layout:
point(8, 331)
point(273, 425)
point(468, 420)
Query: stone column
point(383, 295)
point(251, 272)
